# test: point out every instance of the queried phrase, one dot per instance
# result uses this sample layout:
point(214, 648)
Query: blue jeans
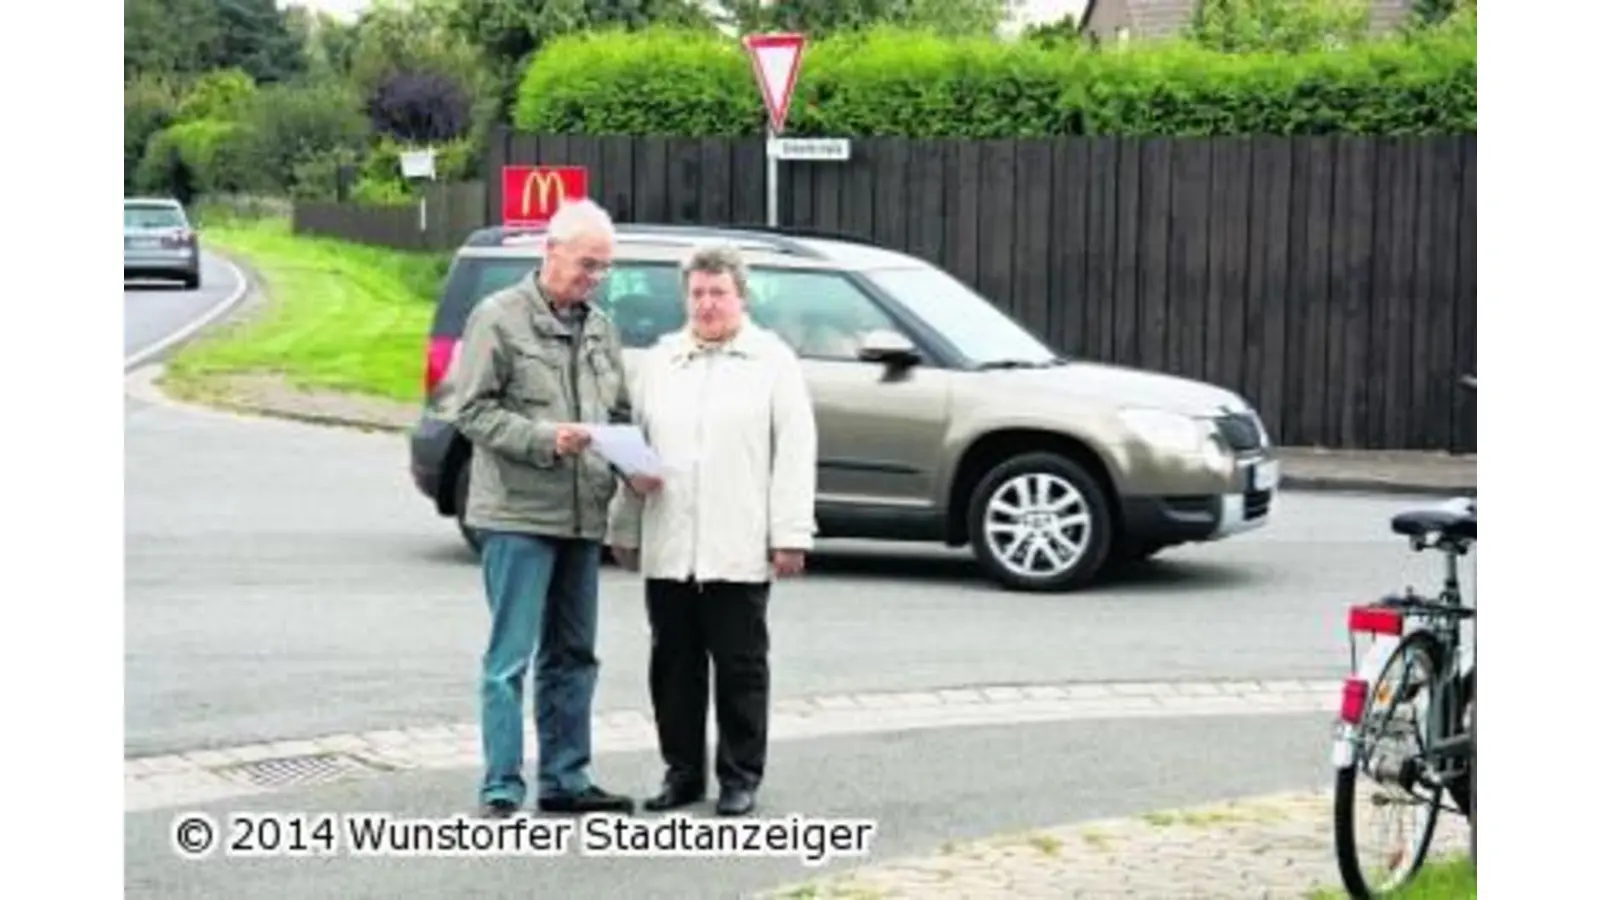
point(543, 597)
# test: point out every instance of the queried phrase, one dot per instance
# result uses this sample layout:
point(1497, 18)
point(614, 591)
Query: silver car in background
point(159, 242)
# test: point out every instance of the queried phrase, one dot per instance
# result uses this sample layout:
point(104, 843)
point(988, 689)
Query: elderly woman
point(725, 406)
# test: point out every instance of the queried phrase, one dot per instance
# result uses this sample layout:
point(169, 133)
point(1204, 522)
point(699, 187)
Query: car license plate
point(144, 243)
point(1264, 475)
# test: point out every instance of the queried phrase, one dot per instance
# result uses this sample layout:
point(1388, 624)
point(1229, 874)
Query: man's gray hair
point(719, 259)
point(579, 218)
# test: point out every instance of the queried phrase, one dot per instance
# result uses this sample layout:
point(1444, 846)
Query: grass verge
point(1449, 878)
point(339, 316)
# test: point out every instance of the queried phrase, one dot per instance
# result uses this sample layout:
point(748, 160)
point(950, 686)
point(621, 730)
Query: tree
point(257, 39)
point(509, 32)
point(420, 107)
point(820, 18)
point(1053, 34)
point(148, 29)
point(188, 37)
point(1291, 26)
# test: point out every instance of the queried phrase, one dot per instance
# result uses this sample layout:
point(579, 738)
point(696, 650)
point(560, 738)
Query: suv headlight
point(1169, 431)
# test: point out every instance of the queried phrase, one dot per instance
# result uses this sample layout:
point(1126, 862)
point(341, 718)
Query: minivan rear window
point(471, 279)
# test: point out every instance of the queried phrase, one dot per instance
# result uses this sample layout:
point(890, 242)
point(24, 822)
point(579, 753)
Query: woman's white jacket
point(737, 436)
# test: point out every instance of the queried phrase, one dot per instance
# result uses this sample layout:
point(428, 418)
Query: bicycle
point(1406, 718)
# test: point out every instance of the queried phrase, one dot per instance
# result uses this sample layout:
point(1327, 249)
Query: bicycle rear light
point(1354, 700)
point(1376, 620)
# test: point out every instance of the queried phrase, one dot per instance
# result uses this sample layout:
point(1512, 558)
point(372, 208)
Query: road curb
point(1358, 485)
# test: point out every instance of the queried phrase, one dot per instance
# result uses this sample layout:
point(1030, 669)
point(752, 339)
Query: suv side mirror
point(888, 347)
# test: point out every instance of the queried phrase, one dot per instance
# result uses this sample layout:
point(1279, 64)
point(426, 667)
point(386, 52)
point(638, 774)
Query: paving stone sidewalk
point(1276, 846)
point(1303, 467)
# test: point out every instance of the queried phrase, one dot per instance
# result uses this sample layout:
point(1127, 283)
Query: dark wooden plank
point(749, 184)
point(1130, 225)
point(1355, 235)
point(1227, 299)
point(797, 194)
point(1436, 258)
point(1265, 339)
point(1425, 428)
point(497, 156)
point(889, 178)
point(1398, 343)
point(685, 181)
point(1194, 206)
point(1102, 174)
point(1314, 302)
point(965, 186)
point(586, 151)
point(856, 176)
point(616, 175)
point(716, 181)
point(1034, 255)
point(997, 223)
point(554, 150)
point(650, 188)
point(1301, 186)
point(1383, 293)
point(1464, 421)
point(827, 185)
point(1066, 196)
point(1155, 231)
point(925, 196)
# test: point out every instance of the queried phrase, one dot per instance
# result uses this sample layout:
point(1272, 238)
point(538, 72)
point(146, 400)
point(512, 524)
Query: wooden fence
point(448, 213)
point(1330, 280)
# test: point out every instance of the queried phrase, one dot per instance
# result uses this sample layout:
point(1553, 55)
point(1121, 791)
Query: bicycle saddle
point(1459, 521)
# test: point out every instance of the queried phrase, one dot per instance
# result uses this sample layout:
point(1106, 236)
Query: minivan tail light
point(441, 353)
point(184, 238)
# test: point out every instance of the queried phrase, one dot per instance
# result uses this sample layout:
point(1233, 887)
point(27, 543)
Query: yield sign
point(776, 60)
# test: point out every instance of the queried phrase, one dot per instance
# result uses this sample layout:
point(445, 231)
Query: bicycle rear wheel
point(1390, 739)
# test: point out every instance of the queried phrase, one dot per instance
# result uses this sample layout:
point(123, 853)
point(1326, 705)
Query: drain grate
point(296, 771)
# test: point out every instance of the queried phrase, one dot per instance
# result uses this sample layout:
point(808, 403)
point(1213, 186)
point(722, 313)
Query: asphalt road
point(154, 310)
point(923, 789)
point(288, 581)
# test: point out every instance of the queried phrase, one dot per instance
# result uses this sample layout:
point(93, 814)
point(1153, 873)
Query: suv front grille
point(1239, 431)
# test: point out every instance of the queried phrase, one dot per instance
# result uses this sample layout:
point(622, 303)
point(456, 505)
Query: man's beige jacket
point(736, 432)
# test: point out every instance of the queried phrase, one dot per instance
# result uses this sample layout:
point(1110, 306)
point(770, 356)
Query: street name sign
point(809, 149)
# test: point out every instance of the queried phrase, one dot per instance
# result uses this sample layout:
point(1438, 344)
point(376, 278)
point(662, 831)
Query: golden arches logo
point(544, 181)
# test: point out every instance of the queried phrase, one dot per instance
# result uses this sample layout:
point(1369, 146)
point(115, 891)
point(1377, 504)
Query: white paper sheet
point(624, 447)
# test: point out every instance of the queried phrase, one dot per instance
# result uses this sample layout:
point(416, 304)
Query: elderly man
point(536, 364)
point(725, 405)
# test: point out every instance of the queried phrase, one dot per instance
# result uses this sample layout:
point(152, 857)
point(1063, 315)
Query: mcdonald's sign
point(530, 195)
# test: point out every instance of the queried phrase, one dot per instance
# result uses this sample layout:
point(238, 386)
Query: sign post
point(417, 165)
point(775, 59)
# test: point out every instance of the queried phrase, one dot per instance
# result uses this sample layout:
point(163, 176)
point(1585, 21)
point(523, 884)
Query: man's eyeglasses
point(596, 267)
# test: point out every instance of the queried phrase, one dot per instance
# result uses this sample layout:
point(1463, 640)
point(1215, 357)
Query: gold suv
point(940, 418)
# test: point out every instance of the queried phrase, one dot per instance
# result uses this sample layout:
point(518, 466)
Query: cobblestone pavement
point(1276, 846)
point(214, 773)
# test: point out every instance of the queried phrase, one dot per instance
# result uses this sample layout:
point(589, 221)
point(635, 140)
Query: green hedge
point(891, 82)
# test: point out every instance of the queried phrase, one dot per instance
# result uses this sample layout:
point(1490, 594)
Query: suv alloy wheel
point(1039, 522)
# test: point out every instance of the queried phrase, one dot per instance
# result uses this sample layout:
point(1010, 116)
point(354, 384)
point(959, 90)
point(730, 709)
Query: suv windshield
point(978, 330)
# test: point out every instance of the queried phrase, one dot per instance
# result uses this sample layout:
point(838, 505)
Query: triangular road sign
point(775, 58)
